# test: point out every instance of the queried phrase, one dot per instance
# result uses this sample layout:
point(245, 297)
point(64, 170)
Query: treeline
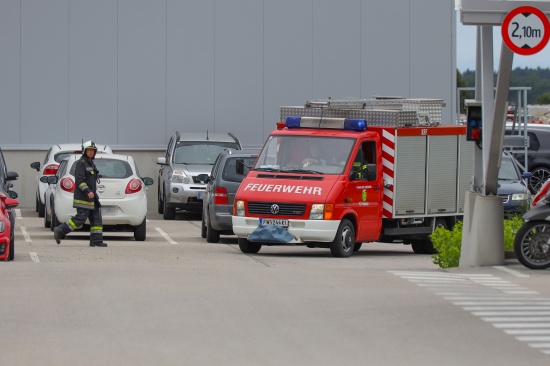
point(537, 79)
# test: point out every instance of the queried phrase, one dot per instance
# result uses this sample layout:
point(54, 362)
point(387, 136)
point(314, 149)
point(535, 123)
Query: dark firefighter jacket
point(86, 176)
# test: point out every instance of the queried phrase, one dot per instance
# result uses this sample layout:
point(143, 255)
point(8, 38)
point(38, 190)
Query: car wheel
point(422, 246)
point(203, 228)
point(54, 223)
point(11, 254)
point(47, 223)
point(41, 208)
point(140, 231)
point(36, 204)
point(248, 247)
point(160, 205)
point(357, 246)
point(169, 213)
point(540, 176)
point(344, 242)
point(212, 235)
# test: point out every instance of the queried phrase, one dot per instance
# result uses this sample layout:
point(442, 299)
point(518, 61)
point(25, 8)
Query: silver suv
point(187, 156)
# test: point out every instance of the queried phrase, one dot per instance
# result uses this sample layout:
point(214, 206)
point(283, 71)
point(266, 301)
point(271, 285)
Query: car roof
point(76, 147)
point(202, 137)
point(103, 156)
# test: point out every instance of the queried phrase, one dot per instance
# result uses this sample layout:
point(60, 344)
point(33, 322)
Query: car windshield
point(305, 154)
point(200, 152)
point(230, 171)
point(110, 168)
point(507, 170)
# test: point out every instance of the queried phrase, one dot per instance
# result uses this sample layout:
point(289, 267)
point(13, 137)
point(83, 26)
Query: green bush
point(447, 242)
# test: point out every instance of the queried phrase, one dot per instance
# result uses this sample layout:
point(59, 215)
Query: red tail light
point(51, 169)
point(67, 184)
point(220, 196)
point(133, 186)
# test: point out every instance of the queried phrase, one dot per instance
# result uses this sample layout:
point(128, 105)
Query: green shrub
point(447, 242)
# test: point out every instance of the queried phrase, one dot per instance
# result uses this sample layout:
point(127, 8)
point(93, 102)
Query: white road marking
point(26, 234)
point(165, 236)
point(34, 257)
point(511, 271)
point(18, 213)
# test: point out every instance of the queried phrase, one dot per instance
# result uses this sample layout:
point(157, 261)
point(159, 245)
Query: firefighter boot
point(57, 234)
point(99, 244)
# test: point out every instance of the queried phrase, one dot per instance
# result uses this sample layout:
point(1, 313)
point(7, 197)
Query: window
point(364, 164)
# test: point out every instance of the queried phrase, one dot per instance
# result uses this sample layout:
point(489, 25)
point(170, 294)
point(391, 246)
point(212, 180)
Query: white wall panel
point(10, 71)
point(190, 66)
point(141, 72)
point(44, 71)
point(93, 71)
point(239, 84)
point(287, 57)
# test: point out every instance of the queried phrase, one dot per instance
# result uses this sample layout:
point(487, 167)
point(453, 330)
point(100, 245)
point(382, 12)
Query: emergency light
point(331, 123)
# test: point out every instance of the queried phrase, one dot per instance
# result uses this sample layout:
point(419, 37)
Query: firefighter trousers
point(76, 222)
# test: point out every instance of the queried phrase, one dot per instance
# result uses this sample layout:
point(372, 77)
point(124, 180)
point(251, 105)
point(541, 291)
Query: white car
point(122, 194)
point(55, 154)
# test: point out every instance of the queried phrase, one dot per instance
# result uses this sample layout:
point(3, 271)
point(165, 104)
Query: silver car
point(187, 156)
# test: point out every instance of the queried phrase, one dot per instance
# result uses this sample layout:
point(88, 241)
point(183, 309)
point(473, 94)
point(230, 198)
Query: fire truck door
point(366, 191)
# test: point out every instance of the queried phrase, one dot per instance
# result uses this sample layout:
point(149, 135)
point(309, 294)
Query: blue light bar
point(355, 124)
point(293, 122)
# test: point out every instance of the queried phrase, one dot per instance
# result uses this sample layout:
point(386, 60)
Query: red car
point(6, 242)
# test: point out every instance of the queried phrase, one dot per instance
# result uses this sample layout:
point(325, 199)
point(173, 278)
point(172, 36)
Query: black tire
point(160, 205)
point(41, 209)
point(248, 247)
point(344, 242)
point(357, 246)
point(169, 213)
point(212, 235)
point(540, 176)
point(11, 255)
point(55, 222)
point(140, 231)
point(47, 223)
point(203, 228)
point(531, 244)
point(424, 246)
point(36, 203)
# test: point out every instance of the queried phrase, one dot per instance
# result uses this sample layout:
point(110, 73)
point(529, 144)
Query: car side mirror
point(239, 166)
point(13, 194)
point(203, 178)
point(526, 175)
point(147, 181)
point(36, 166)
point(9, 202)
point(161, 161)
point(12, 176)
point(51, 179)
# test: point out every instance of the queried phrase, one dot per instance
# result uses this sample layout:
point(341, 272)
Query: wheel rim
point(535, 245)
point(539, 177)
point(346, 241)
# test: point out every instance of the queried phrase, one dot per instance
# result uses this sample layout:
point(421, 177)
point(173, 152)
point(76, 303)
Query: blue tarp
point(270, 234)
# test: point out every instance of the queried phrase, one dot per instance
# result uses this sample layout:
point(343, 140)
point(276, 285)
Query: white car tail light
point(67, 184)
point(51, 169)
point(134, 186)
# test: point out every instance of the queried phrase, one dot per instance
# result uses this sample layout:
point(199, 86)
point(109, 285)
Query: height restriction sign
point(525, 30)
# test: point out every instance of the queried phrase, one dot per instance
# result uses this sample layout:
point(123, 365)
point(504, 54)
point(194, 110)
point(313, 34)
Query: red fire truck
point(339, 173)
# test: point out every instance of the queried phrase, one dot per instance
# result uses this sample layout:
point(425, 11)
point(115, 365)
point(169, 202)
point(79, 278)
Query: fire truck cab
point(339, 173)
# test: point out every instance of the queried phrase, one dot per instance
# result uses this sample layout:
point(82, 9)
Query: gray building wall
point(128, 73)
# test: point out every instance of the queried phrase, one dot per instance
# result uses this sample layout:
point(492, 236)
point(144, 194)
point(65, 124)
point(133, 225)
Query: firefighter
point(85, 199)
point(315, 156)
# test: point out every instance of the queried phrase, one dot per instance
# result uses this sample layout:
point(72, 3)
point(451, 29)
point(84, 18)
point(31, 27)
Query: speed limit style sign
point(525, 30)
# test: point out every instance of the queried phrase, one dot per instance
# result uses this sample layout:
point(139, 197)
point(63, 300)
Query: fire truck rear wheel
point(249, 247)
point(422, 247)
point(344, 242)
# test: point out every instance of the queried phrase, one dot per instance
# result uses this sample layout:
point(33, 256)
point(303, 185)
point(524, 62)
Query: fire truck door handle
point(376, 187)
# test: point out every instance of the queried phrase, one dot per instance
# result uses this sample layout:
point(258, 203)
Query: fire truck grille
point(282, 209)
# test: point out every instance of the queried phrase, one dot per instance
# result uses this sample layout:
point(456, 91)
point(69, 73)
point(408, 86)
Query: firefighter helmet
point(88, 145)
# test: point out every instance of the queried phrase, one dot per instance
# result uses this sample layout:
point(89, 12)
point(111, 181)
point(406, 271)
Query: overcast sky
point(466, 50)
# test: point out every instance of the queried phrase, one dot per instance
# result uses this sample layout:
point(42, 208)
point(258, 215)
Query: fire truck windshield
point(306, 154)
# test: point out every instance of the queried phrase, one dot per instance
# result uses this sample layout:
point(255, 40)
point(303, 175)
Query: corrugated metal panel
point(442, 173)
point(466, 170)
point(410, 175)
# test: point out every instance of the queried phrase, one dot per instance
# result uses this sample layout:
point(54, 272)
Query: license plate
point(278, 222)
point(109, 211)
point(200, 195)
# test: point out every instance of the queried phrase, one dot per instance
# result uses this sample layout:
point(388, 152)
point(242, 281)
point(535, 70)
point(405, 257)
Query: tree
point(544, 98)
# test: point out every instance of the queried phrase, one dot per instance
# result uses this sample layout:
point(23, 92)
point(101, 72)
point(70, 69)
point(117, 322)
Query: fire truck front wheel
point(249, 247)
point(343, 244)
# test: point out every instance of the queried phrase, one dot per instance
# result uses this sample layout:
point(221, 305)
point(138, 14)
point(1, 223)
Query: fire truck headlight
point(520, 197)
point(239, 208)
point(178, 176)
point(317, 211)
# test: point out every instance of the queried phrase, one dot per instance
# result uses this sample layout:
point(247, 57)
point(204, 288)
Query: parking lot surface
point(175, 299)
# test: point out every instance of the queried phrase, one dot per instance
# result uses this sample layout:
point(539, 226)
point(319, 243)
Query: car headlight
point(317, 211)
point(239, 208)
point(2, 226)
point(520, 197)
point(178, 176)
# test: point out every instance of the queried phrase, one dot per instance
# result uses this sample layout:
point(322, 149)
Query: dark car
point(7, 218)
point(511, 185)
point(538, 153)
point(222, 185)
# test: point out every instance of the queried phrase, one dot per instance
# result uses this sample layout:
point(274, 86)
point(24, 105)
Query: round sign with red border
point(525, 30)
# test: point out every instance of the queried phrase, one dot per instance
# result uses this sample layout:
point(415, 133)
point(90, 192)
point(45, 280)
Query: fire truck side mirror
point(239, 167)
point(474, 121)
